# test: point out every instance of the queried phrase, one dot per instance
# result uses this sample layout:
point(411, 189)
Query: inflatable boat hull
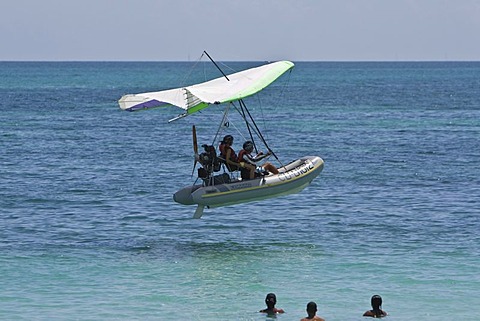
point(291, 178)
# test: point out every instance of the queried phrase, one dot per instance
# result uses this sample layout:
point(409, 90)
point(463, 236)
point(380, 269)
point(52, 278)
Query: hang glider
point(221, 90)
point(246, 183)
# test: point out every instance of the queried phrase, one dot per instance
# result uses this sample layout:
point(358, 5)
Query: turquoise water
point(89, 231)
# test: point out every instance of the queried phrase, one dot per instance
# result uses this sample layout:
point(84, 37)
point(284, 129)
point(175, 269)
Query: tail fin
point(199, 211)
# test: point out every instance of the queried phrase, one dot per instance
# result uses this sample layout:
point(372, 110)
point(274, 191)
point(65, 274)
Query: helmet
point(248, 146)
point(228, 139)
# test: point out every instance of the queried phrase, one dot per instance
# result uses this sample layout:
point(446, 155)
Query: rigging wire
point(222, 123)
point(187, 76)
point(243, 109)
point(259, 133)
point(227, 122)
point(281, 98)
point(227, 66)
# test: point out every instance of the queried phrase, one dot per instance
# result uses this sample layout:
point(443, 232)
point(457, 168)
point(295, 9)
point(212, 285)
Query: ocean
point(89, 230)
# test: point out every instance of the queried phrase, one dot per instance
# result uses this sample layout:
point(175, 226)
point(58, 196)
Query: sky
point(240, 30)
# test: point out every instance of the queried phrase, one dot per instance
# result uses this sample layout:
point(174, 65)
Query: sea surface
point(89, 230)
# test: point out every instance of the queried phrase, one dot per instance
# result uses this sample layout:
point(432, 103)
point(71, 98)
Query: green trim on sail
point(263, 82)
point(196, 108)
point(256, 85)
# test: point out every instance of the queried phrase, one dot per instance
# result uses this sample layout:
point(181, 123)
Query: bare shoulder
point(372, 314)
point(275, 310)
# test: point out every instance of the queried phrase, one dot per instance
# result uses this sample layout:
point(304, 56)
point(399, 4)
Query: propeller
point(195, 147)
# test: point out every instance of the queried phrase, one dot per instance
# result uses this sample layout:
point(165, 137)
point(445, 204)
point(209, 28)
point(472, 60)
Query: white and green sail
point(217, 91)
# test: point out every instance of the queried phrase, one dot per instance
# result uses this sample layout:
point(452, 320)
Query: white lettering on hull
point(297, 171)
point(240, 186)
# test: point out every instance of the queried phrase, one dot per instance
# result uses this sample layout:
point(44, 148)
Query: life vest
point(223, 152)
point(240, 155)
point(244, 171)
point(221, 149)
point(233, 157)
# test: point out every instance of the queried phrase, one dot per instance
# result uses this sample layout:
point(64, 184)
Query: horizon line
point(355, 61)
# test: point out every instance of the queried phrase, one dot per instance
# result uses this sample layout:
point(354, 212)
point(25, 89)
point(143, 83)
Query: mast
point(216, 64)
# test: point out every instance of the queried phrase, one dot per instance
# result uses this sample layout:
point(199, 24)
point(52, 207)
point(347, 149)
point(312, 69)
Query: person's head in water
point(312, 313)
point(311, 309)
point(271, 300)
point(376, 311)
point(376, 302)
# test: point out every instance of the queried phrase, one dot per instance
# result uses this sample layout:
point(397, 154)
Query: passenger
point(376, 311)
point(248, 162)
point(312, 311)
point(227, 153)
point(270, 301)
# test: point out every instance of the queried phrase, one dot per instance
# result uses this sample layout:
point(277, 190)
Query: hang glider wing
point(220, 90)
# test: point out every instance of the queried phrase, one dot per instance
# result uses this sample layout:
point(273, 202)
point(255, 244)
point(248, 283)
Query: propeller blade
point(194, 135)
point(195, 147)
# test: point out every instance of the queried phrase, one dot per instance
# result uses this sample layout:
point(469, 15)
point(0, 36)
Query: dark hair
point(269, 301)
point(377, 305)
point(311, 307)
point(248, 146)
point(227, 138)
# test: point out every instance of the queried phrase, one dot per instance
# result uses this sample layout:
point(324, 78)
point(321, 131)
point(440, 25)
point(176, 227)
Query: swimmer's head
point(376, 301)
point(311, 308)
point(271, 300)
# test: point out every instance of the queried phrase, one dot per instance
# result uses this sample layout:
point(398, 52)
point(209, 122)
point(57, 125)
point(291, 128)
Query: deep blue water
point(89, 230)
